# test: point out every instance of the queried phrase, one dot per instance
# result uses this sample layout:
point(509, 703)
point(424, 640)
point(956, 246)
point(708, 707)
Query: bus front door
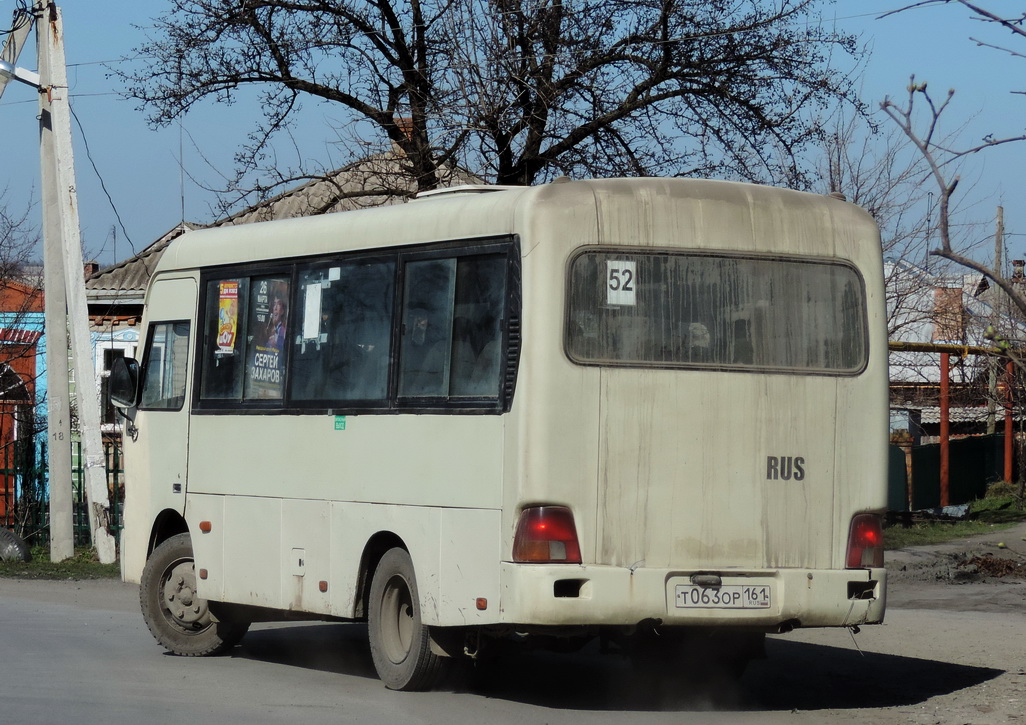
point(156, 451)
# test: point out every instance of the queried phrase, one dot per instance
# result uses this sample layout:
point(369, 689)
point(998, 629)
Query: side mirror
point(124, 383)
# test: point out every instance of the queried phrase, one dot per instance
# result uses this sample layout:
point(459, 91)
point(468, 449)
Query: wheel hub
point(184, 606)
point(399, 624)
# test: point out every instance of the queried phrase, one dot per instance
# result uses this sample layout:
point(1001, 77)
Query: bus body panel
point(667, 469)
point(418, 460)
point(275, 553)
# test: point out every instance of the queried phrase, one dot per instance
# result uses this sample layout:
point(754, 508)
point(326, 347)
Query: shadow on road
point(338, 648)
point(796, 676)
point(815, 677)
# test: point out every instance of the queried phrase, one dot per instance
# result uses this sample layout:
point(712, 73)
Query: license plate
point(728, 596)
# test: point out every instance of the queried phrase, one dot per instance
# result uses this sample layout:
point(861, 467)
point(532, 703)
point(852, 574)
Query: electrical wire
point(103, 185)
point(22, 17)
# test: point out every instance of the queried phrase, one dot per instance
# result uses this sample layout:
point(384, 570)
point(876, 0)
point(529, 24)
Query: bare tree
point(876, 168)
point(627, 88)
point(515, 90)
point(942, 160)
point(19, 241)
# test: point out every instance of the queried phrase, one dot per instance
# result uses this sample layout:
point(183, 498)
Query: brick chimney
point(1018, 273)
point(405, 125)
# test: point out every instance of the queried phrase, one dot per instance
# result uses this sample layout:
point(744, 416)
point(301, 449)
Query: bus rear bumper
point(767, 599)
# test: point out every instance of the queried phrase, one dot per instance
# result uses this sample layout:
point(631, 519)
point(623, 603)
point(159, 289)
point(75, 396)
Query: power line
point(22, 17)
point(103, 185)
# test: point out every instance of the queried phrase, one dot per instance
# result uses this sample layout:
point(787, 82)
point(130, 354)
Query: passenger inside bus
point(423, 355)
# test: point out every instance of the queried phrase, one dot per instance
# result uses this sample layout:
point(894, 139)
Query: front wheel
point(176, 616)
point(13, 547)
point(399, 641)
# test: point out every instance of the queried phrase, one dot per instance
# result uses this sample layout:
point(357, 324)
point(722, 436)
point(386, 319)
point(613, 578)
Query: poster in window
point(267, 366)
point(227, 316)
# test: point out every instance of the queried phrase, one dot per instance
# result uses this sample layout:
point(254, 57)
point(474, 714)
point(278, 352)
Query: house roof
point(974, 414)
point(125, 282)
point(374, 181)
point(378, 180)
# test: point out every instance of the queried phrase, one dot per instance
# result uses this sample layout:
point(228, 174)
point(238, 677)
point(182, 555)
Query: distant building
point(21, 366)
point(953, 309)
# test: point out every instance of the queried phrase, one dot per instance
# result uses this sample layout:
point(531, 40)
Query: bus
point(651, 411)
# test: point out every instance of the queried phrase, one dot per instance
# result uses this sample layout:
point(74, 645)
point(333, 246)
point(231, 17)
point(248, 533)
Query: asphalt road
point(948, 653)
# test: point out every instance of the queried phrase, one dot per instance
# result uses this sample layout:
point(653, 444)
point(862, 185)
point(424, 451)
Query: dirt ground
point(971, 575)
point(959, 607)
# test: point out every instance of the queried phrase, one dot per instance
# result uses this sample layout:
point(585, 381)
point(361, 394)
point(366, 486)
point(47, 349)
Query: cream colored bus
point(650, 410)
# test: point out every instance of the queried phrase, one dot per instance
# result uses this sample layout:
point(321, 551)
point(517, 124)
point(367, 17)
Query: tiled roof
point(377, 180)
point(126, 281)
point(975, 414)
point(374, 181)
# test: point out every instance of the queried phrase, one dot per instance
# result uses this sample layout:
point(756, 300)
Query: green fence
point(973, 464)
point(27, 505)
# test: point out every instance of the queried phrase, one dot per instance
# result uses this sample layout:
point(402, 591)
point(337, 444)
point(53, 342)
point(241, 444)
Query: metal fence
point(24, 491)
point(975, 463)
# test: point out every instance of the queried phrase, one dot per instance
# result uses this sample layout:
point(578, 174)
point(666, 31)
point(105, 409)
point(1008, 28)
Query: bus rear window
point(715, 311)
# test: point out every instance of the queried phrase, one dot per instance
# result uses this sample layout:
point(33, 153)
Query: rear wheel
point(399, 641)
point(176, 616)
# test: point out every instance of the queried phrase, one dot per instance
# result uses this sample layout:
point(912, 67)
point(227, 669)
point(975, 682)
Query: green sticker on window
point(340, 422)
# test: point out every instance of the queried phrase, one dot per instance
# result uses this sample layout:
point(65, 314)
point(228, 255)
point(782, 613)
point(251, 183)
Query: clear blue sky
point(140, 167)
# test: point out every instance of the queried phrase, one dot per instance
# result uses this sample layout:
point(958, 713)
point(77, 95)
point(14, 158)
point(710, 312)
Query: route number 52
point(621, 282)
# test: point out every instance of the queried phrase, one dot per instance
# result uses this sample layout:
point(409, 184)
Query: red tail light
point(546, 535)
point(865, 542)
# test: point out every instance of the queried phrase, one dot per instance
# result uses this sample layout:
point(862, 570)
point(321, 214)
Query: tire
point(13, 547)
point(179, 620)
point(399, 641)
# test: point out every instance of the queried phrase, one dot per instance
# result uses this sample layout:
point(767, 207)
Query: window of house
point(110, 354)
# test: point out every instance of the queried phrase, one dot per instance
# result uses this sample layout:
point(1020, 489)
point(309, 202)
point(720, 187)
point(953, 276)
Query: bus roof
point(479, 212)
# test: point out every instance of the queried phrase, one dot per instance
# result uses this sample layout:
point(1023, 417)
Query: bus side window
point(452, 327)
point(342, 354)
point(477, 330)
point(427, 328)
point(164, 366)
point(269, 326)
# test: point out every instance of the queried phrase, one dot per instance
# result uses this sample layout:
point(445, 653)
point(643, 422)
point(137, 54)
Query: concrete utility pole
point(58, 401)
point(65, 289)
point(58, 181)
point(62, 534)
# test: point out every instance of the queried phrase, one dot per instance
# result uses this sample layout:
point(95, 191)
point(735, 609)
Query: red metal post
point(945, 359)
point(1009, 434)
